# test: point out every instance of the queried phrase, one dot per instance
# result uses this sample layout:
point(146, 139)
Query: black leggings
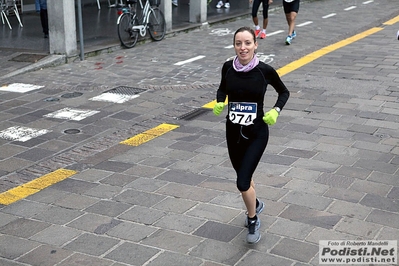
point(245, 150)
point(256, 5)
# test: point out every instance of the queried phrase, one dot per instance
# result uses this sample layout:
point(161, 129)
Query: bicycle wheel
point(156, 24)
point(127, 36)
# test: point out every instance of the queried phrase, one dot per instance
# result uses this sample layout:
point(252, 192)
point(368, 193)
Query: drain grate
point(125, 90)
point(193, 114)
point(30, 58)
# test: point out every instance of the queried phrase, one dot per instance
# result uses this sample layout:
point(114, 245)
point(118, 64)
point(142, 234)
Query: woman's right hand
point(218, 108)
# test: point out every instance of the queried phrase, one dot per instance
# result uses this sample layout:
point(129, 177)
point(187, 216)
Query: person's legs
point(265, 22)
point(291, 22)
point(256, 22)
point(245, 159)
point(291, 11)
point(250, 159)
point(265, 5)
point(255, 8)
point(44, 21)
point(245, 151)
point(249, 198)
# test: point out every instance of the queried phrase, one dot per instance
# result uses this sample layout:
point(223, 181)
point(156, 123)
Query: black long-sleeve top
point(251, 86)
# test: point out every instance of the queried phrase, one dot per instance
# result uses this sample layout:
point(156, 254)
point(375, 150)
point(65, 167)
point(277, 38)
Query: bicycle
point(132, 23)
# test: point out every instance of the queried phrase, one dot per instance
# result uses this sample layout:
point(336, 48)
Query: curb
point(48, 61)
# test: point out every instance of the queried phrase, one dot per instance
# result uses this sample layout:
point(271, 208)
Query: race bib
point(242, 113)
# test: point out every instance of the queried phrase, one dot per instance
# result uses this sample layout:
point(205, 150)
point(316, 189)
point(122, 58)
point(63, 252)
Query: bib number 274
point(242, 113)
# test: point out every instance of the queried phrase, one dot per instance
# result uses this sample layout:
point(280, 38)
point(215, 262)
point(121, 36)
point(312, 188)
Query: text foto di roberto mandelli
point(357, 251)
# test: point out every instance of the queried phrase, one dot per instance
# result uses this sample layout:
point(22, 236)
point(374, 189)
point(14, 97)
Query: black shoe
point(46, 35)
point(259, 209)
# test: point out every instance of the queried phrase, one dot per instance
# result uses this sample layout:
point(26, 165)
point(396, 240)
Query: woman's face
point(245, 46)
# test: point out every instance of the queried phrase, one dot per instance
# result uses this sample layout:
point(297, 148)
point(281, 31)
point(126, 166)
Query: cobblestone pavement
point(330, 171)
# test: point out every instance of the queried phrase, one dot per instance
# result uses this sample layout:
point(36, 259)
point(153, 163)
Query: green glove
point(270, 117)
point(218, 108)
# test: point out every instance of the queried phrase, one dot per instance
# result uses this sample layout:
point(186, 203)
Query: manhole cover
point(72, 131)
point(30, 58)
point(72, 95)
point(193, 114)
point(125, 90)
point(51, 99)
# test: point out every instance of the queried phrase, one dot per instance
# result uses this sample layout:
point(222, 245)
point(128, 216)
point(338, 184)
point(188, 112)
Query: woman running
point(244, 80)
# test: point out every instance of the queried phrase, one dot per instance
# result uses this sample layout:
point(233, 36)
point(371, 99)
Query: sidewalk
point(23, 49)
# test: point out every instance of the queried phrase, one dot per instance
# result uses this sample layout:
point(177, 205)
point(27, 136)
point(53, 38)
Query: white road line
point(189, 60)
point(350, 8)
point(368, 2)
point(20, 87)
point(274, 32)
point(71, 114)
point(304, 24)
point(330, 15)
point(22, 133)
point(229, 46)
point(113, 98)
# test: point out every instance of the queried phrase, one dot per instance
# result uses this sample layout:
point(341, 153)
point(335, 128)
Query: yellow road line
point(34, 186)
point(323, 51)
point(210, 105)
point(392, 21)
point(149, 134)
point(315, 55)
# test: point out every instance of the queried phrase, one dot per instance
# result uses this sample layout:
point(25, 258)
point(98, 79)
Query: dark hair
point(245, 28)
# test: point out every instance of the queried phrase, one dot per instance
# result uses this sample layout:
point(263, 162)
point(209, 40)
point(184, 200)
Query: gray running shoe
point(259, 209)
point(288, 40)
point(253, 231)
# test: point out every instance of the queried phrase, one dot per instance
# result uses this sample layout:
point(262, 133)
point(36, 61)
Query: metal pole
point(82, 52)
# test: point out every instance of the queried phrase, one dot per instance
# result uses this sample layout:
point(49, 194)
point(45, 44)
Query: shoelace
point(251, 226)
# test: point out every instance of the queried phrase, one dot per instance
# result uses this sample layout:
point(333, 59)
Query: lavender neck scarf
point(248, 67)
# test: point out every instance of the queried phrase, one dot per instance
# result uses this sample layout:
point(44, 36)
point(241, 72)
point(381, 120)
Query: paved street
point(115, 161)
